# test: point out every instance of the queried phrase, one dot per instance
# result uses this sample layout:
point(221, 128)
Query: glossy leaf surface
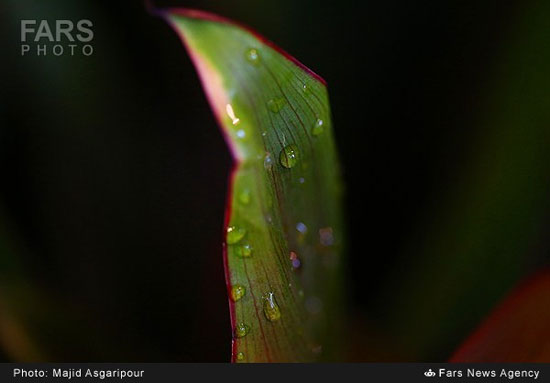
point(284, 232)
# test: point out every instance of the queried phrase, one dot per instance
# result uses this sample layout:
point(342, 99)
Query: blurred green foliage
point(488, 229)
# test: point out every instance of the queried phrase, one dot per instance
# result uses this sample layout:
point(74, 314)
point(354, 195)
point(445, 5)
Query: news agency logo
point(62, 37)
point(429, 373)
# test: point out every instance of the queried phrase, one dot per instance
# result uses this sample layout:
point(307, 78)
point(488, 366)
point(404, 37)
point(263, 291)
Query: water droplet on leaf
point(243, 251)
point(271, 308)
point(276, 104)
point(241, 330)
point(289, 156)
point(240, 357)
point(235, 234)
point(252, 55)
point(237, 292)
point(318, 127)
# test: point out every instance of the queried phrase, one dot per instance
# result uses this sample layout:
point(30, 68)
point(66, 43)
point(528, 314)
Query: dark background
point(113, 175)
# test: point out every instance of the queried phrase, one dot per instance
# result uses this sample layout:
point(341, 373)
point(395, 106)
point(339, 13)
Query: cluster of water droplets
point(288, 157)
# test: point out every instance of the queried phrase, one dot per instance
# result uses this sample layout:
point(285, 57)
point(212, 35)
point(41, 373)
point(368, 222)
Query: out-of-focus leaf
point(518, 330)
point(284, 230)
point(489, 227)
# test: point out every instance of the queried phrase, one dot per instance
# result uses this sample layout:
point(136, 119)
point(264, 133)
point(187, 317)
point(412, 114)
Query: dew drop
point(289, 156)
point(243, 251)
point(240, 357)
point(241, 330)
point(235, 234)
point(241, 133)
point(252, 55)
point(301, 180)
point(271, 308)
point(237, 292)
point(318, 127)
point(244, 197)
point(276, 104)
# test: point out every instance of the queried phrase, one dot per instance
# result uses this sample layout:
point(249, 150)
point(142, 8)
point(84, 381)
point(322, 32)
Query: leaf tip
point(170, 13)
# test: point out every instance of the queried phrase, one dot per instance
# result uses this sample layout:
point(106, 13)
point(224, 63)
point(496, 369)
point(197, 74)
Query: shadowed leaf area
point(284, 231)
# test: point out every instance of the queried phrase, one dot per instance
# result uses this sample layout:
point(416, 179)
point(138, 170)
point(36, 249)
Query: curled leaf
point(284, 231)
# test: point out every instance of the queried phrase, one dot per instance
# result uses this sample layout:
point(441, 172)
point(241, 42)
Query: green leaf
point(284, 226)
